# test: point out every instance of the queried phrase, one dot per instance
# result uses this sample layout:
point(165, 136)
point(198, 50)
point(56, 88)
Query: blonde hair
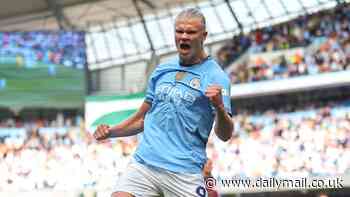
point(192, 13)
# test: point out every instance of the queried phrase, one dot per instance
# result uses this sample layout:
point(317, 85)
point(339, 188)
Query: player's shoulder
point(163, 67)
point(168, 64)
point(215, 70)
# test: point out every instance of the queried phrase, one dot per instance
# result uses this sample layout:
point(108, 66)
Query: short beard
point(192, 60)
point(189, 62)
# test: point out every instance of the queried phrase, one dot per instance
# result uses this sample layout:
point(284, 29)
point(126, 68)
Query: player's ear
point(205, 34)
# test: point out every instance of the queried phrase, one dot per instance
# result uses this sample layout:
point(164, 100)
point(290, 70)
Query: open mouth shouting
point(185, 48)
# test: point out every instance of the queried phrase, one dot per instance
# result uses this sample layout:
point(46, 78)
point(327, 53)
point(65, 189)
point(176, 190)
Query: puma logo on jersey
point(224, 92)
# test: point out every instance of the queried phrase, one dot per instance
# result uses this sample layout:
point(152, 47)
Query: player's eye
point(191, 32)
point(179, 31)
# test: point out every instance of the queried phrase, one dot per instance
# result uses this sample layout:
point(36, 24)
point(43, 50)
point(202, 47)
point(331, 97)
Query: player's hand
point(102, 132)
point(213, 92)
point(208, 167)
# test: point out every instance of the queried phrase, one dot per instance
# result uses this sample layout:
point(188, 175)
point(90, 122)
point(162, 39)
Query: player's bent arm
point(224, 125)
point(132, 125)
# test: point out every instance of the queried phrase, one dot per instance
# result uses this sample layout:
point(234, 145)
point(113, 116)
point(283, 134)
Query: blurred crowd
point(329, 28)
point(313, 141)
point(61, 154)
point(59, 120)
point(29, 48)
point(332, 55)
point(60, 158)
point(297, 144)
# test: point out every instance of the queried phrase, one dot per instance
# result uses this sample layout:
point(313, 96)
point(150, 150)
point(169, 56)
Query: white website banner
point(274, 184)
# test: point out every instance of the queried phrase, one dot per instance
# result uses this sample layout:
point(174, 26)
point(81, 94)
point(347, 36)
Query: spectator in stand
point(311, 142)
point(299, 32)
point(331, 56)
point(301, 143)
point(66, 48)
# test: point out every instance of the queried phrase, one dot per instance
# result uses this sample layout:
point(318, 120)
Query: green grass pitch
point(34, 87)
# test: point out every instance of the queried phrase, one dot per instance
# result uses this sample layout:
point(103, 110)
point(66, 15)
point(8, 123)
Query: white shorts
point(146, 181)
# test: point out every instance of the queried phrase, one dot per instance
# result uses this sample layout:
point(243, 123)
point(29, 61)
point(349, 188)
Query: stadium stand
point(305, 133)
point(330, 51)
point(299, 32)
point(38, 155)
point(28, 48)
point(308, 142)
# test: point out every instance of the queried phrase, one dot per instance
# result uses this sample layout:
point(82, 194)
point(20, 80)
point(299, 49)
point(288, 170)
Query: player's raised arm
point(129, 127)
point(224, 125)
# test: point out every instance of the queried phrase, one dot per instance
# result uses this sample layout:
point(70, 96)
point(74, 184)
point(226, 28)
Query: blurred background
point(68, 65)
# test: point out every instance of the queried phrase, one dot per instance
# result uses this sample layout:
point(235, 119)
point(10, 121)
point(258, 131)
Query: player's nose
point(184, 36)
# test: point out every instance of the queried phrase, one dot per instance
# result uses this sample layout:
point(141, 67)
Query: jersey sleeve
point(150, 91)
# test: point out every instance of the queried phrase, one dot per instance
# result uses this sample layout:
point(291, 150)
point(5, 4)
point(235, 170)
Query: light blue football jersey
point(177, 126)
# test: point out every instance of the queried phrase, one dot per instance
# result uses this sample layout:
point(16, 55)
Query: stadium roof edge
point(46, 14)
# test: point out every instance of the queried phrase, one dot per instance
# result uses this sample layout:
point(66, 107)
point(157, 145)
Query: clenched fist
point(102, 132)
point(214, 94)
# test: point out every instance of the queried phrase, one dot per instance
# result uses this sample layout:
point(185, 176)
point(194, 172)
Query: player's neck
point(202, 57)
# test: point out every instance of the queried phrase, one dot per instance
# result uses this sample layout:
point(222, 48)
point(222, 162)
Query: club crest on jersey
point(195, 83)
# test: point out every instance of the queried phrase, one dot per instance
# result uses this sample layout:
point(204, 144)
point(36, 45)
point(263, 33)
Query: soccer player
point(183, 98)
